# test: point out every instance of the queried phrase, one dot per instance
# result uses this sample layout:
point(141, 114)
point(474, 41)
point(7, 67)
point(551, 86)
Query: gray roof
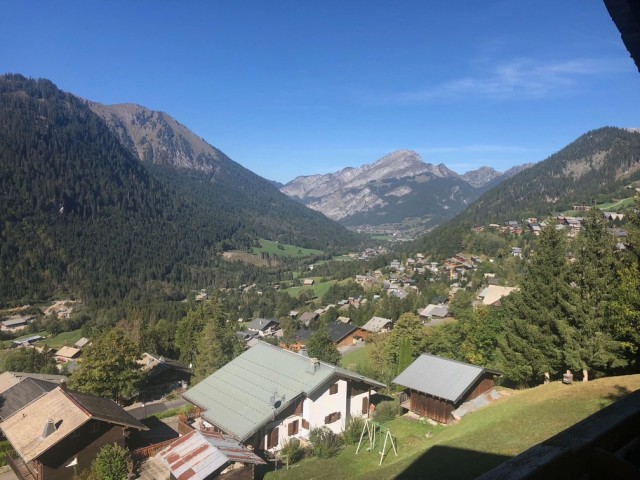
point(432, 310)
point(23, 393)
point(236, 398)
point(260, 324)
point(441, 377)
point(336, 330)
point(376, 324)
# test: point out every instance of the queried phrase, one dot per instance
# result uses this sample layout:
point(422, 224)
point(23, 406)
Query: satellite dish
point(275, 401)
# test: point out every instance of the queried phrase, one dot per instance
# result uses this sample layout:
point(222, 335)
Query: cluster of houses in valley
point(570, 224)
point(245, 412)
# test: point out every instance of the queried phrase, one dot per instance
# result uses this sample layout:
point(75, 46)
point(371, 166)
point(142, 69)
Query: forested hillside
point(596, 167)
point(80, 213)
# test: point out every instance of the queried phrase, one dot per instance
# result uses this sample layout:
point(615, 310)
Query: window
point(333, 389)
point(272, 440)
point(305, 424)
point(298, 408)
point(365, 406)
point(332, 417)
point(293, 428)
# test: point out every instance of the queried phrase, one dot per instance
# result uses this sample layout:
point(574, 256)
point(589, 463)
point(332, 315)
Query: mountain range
point(397, 187)
point(104, 201)
point(600, 166)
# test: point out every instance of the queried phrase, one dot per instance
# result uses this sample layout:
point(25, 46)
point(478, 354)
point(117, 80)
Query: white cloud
point(516, 79)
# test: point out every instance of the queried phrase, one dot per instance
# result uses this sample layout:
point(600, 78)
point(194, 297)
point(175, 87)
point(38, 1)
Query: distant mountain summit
point(398, 186)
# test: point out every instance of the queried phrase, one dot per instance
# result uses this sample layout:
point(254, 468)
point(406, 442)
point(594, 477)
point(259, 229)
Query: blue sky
point(291, 88)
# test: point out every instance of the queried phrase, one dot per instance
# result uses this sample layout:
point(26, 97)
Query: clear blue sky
point(298, 87)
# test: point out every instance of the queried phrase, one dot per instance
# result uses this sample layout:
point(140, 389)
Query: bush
point(353, 430)
point(112, 463)
point(326, 444)
point(386, 411)
point(293, 450)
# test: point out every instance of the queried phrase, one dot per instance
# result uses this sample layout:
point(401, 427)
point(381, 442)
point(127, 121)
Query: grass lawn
point(479, 442)
point(318, 289)
point(615, 206)
point(355, 358)
point(285, 250)
point(62, 339)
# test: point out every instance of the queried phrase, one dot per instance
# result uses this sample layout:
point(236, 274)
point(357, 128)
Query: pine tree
point(218, 343)
point(529, 345)
point(588, 341)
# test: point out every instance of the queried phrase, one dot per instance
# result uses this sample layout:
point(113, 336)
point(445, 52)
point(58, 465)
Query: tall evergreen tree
point(529, 345)
point(218, 344)
point(588, 342)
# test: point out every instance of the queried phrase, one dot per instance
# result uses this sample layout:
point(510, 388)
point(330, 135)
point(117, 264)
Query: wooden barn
point(436, 386)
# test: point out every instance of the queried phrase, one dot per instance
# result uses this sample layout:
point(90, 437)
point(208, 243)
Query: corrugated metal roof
point(197, 454)
point(440, 377)
point(236, 398)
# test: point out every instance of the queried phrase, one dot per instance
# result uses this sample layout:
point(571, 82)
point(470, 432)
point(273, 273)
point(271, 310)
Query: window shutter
point(333, 389)
point(299, 408)
point(305, 424)
point(273, 438)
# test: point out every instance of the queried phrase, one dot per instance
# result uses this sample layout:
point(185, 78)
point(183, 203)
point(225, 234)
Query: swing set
point(373, 431)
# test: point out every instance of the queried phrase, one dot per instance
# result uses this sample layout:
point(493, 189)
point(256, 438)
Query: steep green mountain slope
point(598, 165)
point(81, 213)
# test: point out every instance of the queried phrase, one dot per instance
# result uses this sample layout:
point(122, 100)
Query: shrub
point(386, 411)
point(325, 443)
point(353, 430)
point(293, 450)
point(112, 463)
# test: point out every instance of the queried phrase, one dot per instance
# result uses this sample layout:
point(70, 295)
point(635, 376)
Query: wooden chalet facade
point(62, 432)
point(436, 387)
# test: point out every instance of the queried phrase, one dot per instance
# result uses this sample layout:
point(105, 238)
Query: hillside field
point(478, 443)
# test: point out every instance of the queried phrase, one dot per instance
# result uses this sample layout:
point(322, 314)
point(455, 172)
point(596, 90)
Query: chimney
point(49, 428)
point(314, 364)
point(63, 384)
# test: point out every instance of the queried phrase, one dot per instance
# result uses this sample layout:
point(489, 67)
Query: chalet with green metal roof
point(268, 395)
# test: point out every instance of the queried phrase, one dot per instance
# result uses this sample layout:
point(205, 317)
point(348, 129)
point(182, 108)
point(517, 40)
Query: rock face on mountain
point(398, 186)
point(158, 138)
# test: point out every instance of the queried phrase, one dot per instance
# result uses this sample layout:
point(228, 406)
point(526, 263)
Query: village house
point(492, 294)
point(162, 376)
point(83, 342)
point(436, 386)
point(308, 317)
point(22, 393)
point(16, 323)
point(264, 327)
point(66, 354)
point(268, 395)
point(61, 431)
point(378, 325)
point(431, 312)
point(343, 335)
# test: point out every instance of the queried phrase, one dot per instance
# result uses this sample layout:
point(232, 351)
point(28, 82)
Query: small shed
point(436, 386)
point(208, 455)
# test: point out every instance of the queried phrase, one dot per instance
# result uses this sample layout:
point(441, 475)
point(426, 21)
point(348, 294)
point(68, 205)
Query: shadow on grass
point(619, 392)
point(449, 463)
